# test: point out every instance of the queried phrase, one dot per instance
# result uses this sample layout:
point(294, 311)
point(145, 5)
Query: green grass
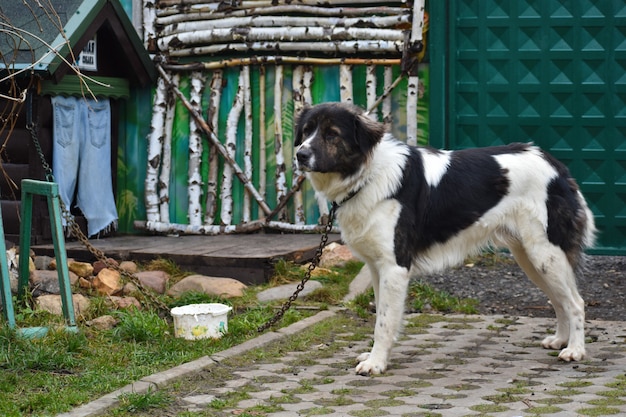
point(422, 295)
point(56, 373)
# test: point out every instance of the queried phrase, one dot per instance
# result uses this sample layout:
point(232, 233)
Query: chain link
point(307, 275)
point(76, 231)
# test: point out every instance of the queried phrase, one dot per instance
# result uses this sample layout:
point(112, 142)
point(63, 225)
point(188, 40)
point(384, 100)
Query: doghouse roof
point(30, 33)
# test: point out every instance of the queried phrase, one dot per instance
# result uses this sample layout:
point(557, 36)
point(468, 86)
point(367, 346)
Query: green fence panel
point(546, 71)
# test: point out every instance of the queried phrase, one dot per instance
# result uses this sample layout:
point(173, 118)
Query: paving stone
point(285, 291)
point(458, 366)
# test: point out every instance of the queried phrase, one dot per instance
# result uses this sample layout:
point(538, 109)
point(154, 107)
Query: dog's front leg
point(392, 289)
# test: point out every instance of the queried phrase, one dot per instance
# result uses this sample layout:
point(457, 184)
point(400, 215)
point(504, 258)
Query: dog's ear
point(300, 119)
point(367, 132)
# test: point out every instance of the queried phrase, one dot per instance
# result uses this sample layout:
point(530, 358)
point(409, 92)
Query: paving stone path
point(455, 367)
point(443, 365)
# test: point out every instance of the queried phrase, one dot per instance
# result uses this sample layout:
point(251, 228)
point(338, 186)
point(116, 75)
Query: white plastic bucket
point(201, 321)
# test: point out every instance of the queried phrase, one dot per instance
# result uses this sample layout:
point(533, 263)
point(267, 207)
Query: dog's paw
point(553, 342)
point(572, 354)
point(363, 357)
point(370, 366)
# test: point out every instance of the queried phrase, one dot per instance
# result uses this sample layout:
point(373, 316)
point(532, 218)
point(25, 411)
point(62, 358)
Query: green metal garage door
point(548, 71)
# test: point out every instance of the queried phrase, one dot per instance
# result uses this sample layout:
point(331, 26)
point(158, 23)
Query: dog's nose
point(304, 156)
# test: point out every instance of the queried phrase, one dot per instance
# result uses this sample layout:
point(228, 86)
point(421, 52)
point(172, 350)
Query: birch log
point(249, 4)
point(386, 107)
point(213, 118)
point(195, 152)
point(338, 47)
point(413, 79)
point(298, 104)
point(262, 138)
point(155, 146)
point(345, 83)
point(213, 230)
point(411, 110)
point(370, 91)
point(247, 157)
point(149, 19)
point(281, 181)
point(277, 34)
point(166, 159)
point(226, 195)
point(173, 15)
point(216, 142)
point(235, 24)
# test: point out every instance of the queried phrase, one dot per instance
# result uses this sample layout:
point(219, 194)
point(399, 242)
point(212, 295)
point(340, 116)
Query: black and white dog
point(413, 210)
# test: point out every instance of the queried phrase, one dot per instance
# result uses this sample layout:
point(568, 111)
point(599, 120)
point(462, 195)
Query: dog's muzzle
point(304, 156)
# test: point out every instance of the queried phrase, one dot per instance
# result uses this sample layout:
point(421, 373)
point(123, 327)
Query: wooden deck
point(248, 258)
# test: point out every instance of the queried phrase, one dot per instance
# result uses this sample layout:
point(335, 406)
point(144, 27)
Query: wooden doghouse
point(85, 48)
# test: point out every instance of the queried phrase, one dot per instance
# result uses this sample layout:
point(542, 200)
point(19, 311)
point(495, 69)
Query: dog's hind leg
point(547, 267)
point(391, 295)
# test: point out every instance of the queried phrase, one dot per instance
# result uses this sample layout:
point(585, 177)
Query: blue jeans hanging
point(81, 155)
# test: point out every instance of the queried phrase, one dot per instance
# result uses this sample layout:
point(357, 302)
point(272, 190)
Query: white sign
point(87, 59)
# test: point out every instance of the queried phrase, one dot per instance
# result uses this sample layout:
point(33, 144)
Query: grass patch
point(54, 374)
point(136, 402)
point(424, 297)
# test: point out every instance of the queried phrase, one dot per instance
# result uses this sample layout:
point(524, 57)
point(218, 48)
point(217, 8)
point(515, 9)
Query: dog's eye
point(332, 134)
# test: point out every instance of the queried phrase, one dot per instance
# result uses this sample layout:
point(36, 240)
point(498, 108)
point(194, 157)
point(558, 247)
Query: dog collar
point(348, 197)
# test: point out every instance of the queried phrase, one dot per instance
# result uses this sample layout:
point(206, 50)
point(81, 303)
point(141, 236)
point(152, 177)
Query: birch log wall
point(233, 77)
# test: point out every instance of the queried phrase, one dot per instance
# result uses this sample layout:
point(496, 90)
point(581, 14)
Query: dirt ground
point(502, 287)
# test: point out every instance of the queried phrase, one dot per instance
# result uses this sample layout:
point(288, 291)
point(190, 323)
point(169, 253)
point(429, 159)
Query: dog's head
point(335, 137)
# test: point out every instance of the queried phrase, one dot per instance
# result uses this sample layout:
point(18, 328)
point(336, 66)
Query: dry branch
point(268, 60)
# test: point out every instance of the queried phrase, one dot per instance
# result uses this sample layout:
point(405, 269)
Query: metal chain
point(314, 263)
point(76, 231)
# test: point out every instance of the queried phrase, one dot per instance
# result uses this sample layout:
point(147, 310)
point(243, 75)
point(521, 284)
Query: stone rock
point(47, 282)
point(318, 272)
point(100, 265)
point(12, 261)
point(129, 266)
point(105, 322)
point(43, 262)
point(82, 269)
point(124, 302)
point(13, 280)
point(84, 283)
point(335, 254)
point(222, 287)
point(154, 280)
point(108, 282)
point(285, 291)
point(129, 288)
point(52, 304)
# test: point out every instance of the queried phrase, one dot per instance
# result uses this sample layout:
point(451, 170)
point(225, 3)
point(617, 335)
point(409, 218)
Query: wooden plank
point(248, 258)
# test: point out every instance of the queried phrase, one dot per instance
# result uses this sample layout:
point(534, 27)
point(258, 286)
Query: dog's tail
point(587, 234)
